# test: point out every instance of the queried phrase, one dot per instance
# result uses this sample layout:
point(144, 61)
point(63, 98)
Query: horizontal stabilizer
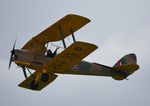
point(129, 69)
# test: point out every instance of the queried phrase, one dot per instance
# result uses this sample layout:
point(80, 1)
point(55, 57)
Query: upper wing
point(68, 24)
point(69, 57)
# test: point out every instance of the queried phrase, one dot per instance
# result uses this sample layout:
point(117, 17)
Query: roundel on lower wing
point(75, 67)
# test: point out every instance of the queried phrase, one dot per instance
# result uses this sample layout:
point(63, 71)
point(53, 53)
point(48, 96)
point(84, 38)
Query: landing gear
point(44, 77)
point(33, 85)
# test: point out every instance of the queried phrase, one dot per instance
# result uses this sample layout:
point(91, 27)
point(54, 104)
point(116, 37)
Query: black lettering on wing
point(70, 56)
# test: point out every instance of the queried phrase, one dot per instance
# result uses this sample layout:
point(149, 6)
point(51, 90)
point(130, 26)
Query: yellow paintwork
point(52, 33)
point(22, 63)
point(72, 55)
point(118, 77)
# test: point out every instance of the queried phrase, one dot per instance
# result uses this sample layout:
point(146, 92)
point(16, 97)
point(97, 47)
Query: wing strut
point(73, 35)
point(62, 36)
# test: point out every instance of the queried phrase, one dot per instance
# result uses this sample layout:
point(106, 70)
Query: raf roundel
point(75, 67)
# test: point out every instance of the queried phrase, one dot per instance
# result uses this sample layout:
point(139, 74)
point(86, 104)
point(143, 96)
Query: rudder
point(126, 60)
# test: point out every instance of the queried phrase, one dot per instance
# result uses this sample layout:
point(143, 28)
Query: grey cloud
point(117, 27)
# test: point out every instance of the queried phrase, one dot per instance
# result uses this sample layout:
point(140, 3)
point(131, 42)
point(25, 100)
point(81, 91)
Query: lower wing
point(28, 82)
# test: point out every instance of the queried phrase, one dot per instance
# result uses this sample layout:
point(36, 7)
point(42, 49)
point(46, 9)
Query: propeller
point(12, 53)
point(11, 59)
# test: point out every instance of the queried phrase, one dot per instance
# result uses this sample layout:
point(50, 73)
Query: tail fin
point(125, 67)
point(126, 60)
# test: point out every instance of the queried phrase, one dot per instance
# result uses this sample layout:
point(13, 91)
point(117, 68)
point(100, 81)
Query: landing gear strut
point(33, 85)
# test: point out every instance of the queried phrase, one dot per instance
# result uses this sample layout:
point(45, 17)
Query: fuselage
point(34, 60)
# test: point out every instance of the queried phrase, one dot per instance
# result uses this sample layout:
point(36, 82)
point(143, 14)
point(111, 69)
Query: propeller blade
point(12, 53)
point(10, 61)
point(14, 45)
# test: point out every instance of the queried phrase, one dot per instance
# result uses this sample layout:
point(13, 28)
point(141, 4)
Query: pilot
point(50, 54)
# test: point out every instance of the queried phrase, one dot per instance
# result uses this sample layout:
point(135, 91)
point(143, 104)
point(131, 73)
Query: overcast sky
point(118, 27)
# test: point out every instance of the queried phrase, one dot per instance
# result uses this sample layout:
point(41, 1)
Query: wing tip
point(75, 15)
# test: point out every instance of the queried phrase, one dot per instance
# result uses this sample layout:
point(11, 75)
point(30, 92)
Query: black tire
point(44, 77)
point(33, 86)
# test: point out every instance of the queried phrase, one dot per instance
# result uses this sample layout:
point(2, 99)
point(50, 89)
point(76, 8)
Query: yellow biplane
point(36, 56)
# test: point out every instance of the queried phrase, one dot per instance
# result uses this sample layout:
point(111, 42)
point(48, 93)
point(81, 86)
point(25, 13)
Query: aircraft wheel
point(33, 85)
point(44, 77)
